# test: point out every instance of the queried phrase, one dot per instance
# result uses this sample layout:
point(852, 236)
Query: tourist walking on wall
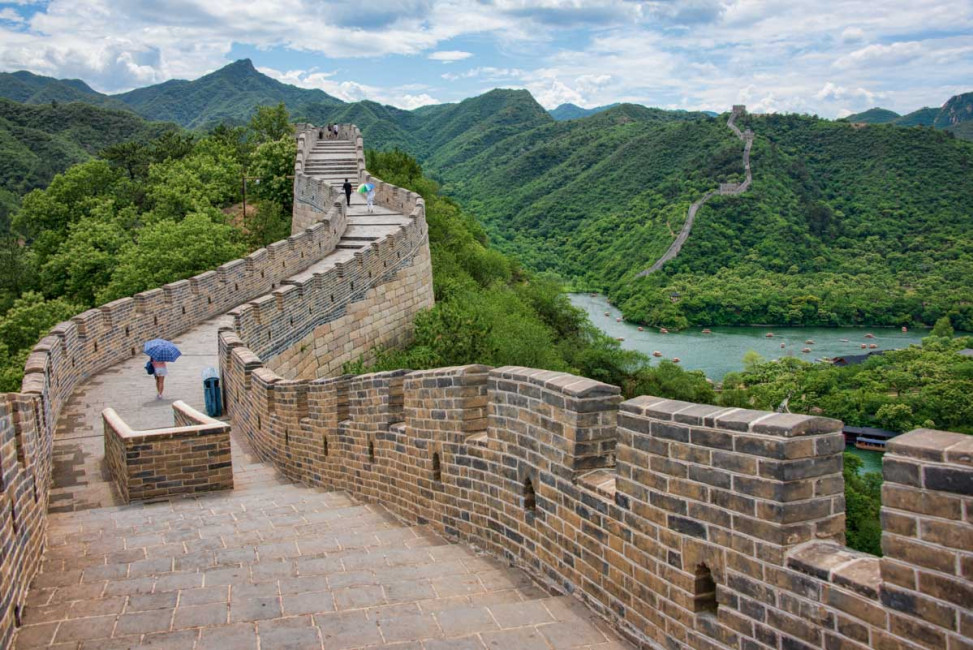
point(160, 351)
point(330, 130)
point(335, 127)
point(347, 188)
point(370, 199)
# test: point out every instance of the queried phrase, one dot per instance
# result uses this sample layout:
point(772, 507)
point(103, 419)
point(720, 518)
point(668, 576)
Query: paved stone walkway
point(275, 565)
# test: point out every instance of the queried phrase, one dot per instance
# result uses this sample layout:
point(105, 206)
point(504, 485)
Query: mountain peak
point(239, 68)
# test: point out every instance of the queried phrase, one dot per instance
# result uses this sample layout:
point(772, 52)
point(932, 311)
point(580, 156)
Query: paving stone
point(359, 597)
point(571, 634)
point(204, 595)
point(99, 607)
point(347, 630)
point(209, 615)
point(466, 621)
point(179, 640)
point(255, 609)
point(157, 620)
point(308, 603)
point(464, 643)
point(414, 627)
point(401, 592)
point(35, 636)
point(296, 633)
point(238, 636)
point(144, 602)
point(99, 627)
point(522, 638)
point(520, 614)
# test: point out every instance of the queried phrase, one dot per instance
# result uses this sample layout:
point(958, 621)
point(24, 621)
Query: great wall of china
point(725, 189)
point(682, 525)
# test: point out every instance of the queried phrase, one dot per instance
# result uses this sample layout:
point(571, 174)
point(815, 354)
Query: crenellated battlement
point(635, 506)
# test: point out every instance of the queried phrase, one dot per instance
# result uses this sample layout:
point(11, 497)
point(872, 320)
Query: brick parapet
point(190, 457)
point(753, 498)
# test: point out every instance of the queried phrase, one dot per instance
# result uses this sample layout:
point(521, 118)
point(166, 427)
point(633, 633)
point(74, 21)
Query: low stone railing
point(191, 456)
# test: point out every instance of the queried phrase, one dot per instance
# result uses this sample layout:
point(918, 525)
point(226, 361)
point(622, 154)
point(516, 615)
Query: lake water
point(722, 351)
point(872, 459)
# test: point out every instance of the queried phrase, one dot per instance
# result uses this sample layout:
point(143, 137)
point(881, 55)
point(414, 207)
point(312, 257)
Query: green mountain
point(874, 116)
point(573, 111)
point(922, 117)
point(37, 142)
point(228, 95)
point(843, 225)
point(953, 116)
point(957, 110)
point(29, 88)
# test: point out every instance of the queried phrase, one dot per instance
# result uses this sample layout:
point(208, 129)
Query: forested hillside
point(37, 142)
point(228, 96)
point(955, 116)
point(844, 224)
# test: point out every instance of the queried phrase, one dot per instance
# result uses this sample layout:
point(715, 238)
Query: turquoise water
point(873, 459)
point(722, 351)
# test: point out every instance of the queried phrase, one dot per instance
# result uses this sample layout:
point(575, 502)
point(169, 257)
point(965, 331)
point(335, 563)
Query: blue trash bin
point(213, 397)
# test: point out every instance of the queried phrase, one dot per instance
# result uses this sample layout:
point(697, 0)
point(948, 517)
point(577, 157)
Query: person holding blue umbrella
point(160, 352)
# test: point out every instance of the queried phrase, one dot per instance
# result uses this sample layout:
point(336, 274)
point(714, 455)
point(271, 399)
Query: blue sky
point(829, 57)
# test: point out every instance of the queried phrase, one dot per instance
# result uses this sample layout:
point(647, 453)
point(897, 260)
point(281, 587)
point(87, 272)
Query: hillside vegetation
point(228, 96)
point(955, 116)
point(38, 142)
point(843, 226)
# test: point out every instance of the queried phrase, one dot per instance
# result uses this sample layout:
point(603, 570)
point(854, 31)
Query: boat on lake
point(869, 438)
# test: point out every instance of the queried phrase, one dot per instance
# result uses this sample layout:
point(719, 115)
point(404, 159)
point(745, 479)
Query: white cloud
point(9, 14)
point(852, 35)
point(449, 56)
point(351, 91)
point(881, 55)
point(693, 54)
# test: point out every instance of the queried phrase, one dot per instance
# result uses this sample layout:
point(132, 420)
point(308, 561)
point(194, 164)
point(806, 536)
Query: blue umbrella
point(161, 350)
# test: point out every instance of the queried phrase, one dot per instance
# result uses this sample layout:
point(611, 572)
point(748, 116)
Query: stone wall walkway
point(275, 566)
point(270, 564)
point(80, 476)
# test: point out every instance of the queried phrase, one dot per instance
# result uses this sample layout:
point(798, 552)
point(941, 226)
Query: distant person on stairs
point(330, 130)
point(347, 188)
point(370, 199)
point(335, 131)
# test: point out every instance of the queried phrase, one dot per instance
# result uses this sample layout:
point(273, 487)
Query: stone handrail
point(728, 189)
point(191, 456)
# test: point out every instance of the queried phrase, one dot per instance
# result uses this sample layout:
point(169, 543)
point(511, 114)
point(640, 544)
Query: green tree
point(943, 328)
point(267, 225)
point(168, 250)
point(272, 167)
point(271, 123)
point(30, 316)
point(863, 502)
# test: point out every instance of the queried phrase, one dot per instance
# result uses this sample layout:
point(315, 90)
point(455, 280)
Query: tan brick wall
point(190, 457)
point(633, 502)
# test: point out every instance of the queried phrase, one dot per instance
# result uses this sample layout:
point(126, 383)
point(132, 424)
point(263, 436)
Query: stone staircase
point(276, 565)
point(334, 161)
